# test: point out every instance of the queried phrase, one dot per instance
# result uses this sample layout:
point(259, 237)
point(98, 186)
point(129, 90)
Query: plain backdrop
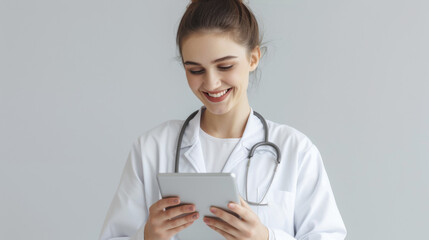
point(81, 80)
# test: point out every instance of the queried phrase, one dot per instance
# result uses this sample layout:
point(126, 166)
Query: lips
point(217, 96)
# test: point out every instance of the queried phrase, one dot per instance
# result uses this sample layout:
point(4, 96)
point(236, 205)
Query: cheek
point(193, 83)
point(240, 80)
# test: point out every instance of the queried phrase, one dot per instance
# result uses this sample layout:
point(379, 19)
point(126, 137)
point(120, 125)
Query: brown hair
point(232, 17)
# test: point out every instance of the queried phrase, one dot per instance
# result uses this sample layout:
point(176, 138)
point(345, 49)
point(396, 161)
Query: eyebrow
point(215, 61)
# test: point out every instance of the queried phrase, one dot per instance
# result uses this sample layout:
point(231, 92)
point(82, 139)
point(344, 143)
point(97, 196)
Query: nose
point(212, 81)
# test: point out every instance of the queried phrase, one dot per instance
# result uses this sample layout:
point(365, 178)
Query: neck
point(228, 125)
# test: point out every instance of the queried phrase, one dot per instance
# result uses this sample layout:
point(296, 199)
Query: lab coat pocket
point(279, 211)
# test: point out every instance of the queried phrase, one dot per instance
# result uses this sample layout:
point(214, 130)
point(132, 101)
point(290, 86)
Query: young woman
point(219, 46)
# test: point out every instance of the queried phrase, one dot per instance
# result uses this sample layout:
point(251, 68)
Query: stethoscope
point(252, 151)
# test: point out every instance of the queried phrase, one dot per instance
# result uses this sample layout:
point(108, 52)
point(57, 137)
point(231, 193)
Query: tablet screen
point(204, 190)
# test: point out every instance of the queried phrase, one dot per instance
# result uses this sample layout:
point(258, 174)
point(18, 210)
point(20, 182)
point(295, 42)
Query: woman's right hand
point(160, 224)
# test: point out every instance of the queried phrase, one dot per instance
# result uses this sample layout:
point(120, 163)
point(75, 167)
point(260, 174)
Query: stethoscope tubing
point(251, 153)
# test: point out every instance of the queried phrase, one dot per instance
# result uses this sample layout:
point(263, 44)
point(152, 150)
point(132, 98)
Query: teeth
point(220, 94)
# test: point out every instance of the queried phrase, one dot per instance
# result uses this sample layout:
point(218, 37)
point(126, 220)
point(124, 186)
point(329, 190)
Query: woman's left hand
point(248, 227)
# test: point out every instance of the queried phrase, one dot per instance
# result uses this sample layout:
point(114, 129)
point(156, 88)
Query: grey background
point(81, 80)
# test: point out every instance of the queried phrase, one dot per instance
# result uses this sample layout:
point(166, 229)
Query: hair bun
point(195, 1)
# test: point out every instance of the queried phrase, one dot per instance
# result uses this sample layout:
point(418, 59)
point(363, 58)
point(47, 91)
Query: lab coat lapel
point(193, 159)
point(253, 133)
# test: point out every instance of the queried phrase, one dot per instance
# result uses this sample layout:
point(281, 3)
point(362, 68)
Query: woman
point(219, 46)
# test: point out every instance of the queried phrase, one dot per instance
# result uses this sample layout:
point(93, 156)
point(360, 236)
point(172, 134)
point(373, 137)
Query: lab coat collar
point(253, 133)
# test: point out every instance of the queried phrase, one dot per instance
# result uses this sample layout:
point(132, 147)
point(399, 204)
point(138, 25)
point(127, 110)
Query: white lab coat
point(301, 204)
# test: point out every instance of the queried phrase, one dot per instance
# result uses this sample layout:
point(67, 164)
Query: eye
point(196, 72)
point(225, 68)
point(201, 71)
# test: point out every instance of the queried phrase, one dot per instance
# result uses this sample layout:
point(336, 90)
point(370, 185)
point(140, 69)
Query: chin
point(217, 110)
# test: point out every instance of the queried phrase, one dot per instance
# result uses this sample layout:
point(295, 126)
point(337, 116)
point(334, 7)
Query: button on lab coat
point(301, 203)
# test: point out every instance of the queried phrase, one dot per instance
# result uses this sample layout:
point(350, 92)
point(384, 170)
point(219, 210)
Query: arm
point(127, 212)
point(316, 214)
point(128, 216)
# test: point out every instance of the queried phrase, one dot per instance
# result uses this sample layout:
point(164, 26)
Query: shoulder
point(167, 130)
point(289, 137)
point(296, 147)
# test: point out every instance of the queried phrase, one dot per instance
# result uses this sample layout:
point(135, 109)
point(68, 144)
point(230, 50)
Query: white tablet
point(204, 190)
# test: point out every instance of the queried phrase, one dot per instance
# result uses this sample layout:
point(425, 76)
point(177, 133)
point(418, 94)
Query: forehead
point(208, 46)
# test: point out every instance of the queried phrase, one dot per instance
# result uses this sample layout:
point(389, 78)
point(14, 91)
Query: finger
point(179, 228)
point(224, 226)
point(228, 218)
point(242, 211)
point(172, 224)
point(160, 205)
point(244, 203)
point(176, 211)
point(223, 233)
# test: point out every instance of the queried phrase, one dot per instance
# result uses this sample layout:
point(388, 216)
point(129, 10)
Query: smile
point(219, 94)
point(217, 97)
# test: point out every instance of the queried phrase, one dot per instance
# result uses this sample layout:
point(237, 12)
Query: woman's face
point(217, 69)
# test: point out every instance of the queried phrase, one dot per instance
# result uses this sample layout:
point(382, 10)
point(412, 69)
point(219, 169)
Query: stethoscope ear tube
point(252, 151)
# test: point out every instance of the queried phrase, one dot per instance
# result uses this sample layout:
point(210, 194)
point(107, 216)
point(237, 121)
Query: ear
point(255, 55)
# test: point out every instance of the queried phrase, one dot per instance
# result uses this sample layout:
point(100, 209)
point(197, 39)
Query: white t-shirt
point(216, 151)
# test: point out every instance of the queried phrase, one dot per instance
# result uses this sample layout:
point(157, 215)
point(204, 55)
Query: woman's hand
point(248, 227)
point(160, 224)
